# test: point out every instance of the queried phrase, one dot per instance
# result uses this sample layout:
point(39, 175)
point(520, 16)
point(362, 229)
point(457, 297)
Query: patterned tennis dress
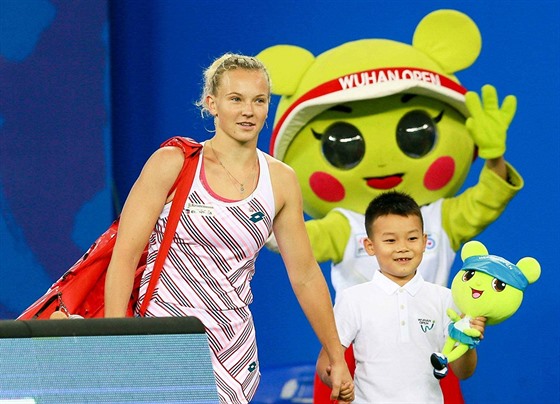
point(207, 274)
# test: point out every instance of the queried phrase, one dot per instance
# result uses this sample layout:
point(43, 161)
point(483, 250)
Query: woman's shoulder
point(283, 177)
point(284, 182)
point(165, 162)
point(168, 156)
point(278, 167)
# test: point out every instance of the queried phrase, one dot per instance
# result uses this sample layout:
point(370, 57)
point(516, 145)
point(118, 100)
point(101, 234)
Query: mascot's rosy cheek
point(440, 173)
point(326, 187)
point(329, 189)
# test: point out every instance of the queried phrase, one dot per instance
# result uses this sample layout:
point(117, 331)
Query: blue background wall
point(158, 50)
point(55, 151)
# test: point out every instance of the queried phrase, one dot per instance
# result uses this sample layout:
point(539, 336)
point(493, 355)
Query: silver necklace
point(230, 175)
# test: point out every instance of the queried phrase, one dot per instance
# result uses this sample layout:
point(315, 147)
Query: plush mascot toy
point(373, 115)
point(486, 286)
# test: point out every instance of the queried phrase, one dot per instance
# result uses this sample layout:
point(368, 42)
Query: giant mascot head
point(376, 114)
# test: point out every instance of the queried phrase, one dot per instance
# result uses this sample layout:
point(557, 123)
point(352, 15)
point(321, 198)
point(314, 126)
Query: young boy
point(397, 320)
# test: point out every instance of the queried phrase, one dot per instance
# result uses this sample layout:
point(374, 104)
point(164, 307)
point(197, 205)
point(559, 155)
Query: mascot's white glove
point(488, 123)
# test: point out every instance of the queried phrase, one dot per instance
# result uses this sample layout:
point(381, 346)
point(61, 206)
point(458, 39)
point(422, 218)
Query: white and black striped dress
point(207, 274)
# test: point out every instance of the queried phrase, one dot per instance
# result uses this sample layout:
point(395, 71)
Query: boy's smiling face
point(398, 242)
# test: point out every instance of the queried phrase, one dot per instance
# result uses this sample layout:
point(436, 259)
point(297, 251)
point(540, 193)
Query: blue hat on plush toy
point(499, 268)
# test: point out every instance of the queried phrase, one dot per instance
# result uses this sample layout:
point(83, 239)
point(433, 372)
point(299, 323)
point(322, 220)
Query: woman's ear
point(368, 246)
point(211, 105)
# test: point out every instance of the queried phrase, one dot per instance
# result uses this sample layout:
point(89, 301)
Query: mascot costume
point(486, 286)
point(373, 115)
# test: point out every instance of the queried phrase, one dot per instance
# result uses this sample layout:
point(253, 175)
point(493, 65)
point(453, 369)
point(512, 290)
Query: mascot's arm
point(467, 215)
point(453, 316)
point(329, 236)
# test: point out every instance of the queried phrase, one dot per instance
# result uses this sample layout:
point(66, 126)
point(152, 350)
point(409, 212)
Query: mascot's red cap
point(363, 85)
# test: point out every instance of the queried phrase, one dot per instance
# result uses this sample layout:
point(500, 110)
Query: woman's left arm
point(305, 276)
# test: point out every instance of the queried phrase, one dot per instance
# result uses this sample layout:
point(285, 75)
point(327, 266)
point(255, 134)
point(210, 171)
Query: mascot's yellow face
point(479, 294)
point(352, 152)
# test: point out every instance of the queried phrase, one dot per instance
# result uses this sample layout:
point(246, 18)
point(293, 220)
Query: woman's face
point(240, 106)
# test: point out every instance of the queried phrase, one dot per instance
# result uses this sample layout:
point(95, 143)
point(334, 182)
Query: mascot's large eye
point(416, 133)
point(343, 145)
point(498, 285)
point(467, 276)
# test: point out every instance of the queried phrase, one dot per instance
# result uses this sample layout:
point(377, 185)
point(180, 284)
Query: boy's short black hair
point(391, 203)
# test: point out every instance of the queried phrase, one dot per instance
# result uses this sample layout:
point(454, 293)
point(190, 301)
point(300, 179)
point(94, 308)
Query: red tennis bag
point(80, 291)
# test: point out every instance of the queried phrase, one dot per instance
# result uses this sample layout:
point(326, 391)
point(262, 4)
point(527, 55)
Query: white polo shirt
point(394, 331)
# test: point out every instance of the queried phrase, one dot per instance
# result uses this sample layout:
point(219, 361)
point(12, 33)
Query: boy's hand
point(342, 383)
point(346, 394)
point(479, 324)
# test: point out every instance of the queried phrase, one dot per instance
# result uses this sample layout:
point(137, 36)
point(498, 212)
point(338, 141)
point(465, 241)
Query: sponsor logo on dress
point(256, 217)
point(199, 209)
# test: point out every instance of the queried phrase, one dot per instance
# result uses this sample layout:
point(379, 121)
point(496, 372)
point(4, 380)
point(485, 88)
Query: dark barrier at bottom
point(134, 360)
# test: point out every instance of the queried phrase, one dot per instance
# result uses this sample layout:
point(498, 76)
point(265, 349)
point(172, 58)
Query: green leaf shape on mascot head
point(486, 286)
point(373, 115)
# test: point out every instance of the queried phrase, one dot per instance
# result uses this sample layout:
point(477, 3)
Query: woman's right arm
point(139, 215)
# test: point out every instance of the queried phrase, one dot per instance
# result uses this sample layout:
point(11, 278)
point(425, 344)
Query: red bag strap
point(191, 150)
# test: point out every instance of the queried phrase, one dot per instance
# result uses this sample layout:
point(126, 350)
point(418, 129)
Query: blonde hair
point(213, 75)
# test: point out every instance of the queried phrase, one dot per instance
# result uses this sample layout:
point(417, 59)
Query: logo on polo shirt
point(425, 324)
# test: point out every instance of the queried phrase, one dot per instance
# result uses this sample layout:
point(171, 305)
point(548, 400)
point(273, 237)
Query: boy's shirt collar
point(390, 287)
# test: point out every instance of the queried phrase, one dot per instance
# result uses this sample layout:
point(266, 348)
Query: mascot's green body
point(486, 286)
point(373, 115)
